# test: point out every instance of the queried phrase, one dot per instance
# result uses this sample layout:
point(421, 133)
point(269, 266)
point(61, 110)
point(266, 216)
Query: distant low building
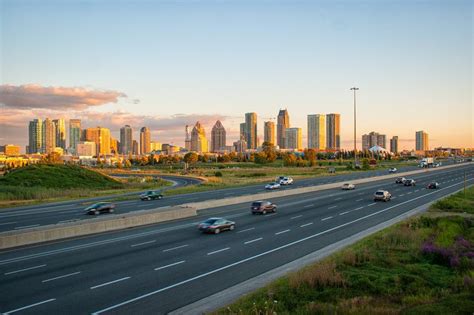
point(11, 150)
point(86, 148)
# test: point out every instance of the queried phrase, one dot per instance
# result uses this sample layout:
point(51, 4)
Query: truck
point(427, 162)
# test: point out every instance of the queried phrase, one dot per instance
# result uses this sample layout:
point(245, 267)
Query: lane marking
point(110, 282)
point(144, 243)
point(332, 207)
point(307, 224)
point(26, 269)
point(218, 251)
point(359, 199)
point(250, 229)
point(6, 223)
point(345, 212)
point(26, 226)
point(307, 206)
point(372, 204)
point(281, 232)
point(409, 193)
point(29, 306)
point(255, 240)
point(340, 198)
point(358, 208)
point(174, 248)
point(402, 195)
point(417, 190)
point(170, 265)
point(298, 216)
point(393, 198)
point(60, 277)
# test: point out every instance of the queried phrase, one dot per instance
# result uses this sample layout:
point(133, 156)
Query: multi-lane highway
point(71, 211)
point(160, 268)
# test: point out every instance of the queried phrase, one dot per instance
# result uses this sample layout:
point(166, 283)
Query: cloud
point(32, 96)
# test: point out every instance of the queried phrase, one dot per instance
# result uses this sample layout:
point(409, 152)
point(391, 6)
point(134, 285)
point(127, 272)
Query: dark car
point(400, 180)
point(409, 182)
point(216, 225)
point(262, 207)
point(151, 195)
point(100, 207)
point(433, 185)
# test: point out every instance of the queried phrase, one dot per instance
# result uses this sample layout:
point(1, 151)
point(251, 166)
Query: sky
point(165, 64)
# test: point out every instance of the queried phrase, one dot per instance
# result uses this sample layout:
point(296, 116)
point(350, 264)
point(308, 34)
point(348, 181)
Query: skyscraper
point(145, 139)
point(333, 133)
point(293, 138)
point(269, 132)
point(74, 133)
point(218, 137)
point(49, 136)
point(282, 123)
point(243, 134)
point(198, 139)
point(317, 132)
point(35, 136)
point(135, 147)
point(422, 143)
point(187, 139)
point(251, 130)
point(101, 137)
point(126, 138)
point(374, 139)
point(394, 144)
point(60, 128)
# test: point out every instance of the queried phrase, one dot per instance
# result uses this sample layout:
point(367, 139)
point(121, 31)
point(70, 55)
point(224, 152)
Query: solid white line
point(6, 223)
point(372, 204)
point(345, 212)
point(281, 232)
point(144, 243)
point(170, 265)
point(306, 224)
point(326, 218)
point(359, 199)
point(307, 206)
point(255, 240)
point(218, 251)
point(26, 226)
point(26, 269)
point(60, 277)
point(110, 282)
point(357, 208)
point(174, 248)
point(246, 230)
point(298, 216)
point(256, 256)
point(29, 306)
point(332, 207)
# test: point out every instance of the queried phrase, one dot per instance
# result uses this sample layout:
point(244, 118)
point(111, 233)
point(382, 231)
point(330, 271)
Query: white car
point(286, 181)
point(272, 186)
point(382, 195)
point(392, 170)
point(348, 186)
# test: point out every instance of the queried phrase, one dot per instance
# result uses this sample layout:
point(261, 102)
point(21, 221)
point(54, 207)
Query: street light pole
point(355, 126)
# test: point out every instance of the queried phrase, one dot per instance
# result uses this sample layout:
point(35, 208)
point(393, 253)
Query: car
point(433, 185)
point(400, 180)
point(216, 225)
point(100, 207)
point(285, 181)
point(272, 186)
point(348, 186)
point(262, 207)
point(151, 195)
point(392, 170)
point(382, 195)
point(409, 182)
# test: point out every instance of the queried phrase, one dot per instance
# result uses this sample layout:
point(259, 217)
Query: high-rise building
point(35, 136)
point(243, 132)
point(317, 132)
point(240, 146)
point(198, 139)
point(86, 148)
point(374, 139)
point(126, 138)
point(394, 144)
point(218, 137)
point(114, 145)
point(269, 132)
point(49, 136)
point(293, 139)
point(333, 132)
point(282, 123)
point(101, 137)
point(74, 133)
point(156, 146)
point(422, 143)
point(145, 139)
point(60, 127)
point(187, 140)
point(251, 130)
point(135, 147)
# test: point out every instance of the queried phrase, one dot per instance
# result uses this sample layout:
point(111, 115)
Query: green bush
point(218, 174)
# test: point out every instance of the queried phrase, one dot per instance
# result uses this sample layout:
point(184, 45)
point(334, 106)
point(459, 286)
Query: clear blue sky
point(412, 60)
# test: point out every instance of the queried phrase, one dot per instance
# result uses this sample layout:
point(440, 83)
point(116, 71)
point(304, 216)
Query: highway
point(160, 268)
point(72, 211)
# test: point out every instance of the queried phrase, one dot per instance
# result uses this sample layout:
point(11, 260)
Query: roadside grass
point(423, 265)
point(459, 202)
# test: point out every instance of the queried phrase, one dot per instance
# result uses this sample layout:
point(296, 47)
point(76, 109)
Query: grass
point(459, 202)
point(424, 265)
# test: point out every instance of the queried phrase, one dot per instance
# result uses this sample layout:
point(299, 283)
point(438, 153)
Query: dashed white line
point(393, 198)
point(307, 206)
point(307, 224)
point(175, 248)
point(340, 198)
point(110, 282)
point(372, 204)
point(357, 208)
point(332, 207)
point(29, 306)
point(359, 199)
point(170, 265)
point(345, 212)
point(6, 223)
point(281, 232)
point(326, 218)
point(26, 226)
point(417, 190)
point(144, 243)
point(255, 240)
point(60, 277)
point(409, 193)
point(250, 229)
point(26, 269)
point(296, 217)
point(218, 251)
point(402, 195)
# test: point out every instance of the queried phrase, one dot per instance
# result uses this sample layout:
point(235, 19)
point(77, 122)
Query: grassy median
point(424, 265)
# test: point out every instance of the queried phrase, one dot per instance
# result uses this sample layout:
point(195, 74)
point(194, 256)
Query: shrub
point(218, 174)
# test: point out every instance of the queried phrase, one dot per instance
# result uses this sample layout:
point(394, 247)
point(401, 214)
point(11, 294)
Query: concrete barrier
point(97, 225)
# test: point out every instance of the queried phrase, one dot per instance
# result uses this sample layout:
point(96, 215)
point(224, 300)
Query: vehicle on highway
point(151, 195)
point(272, 186)
point(216, 225)
point(348, 186)
point(400, 180)
point(100, 207)
point(427, 162)
point(262, 207)
point(433, 185)
point(409, 182)
point(392, 170)
point(382, 195)
point(285, 180)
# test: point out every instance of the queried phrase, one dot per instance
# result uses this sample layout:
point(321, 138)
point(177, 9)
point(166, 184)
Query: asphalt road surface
point(160, 268)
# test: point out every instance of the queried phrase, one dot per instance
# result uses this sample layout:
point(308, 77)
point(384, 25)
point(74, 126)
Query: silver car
point(382, 195)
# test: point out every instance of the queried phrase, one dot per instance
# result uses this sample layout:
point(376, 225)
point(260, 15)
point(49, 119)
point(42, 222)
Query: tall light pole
point(355, 126)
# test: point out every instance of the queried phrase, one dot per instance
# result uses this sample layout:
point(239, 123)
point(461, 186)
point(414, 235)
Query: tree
point(190, 158)
point(365, 164)
point(289, 159)
point(261, 158)
point(310, 155)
